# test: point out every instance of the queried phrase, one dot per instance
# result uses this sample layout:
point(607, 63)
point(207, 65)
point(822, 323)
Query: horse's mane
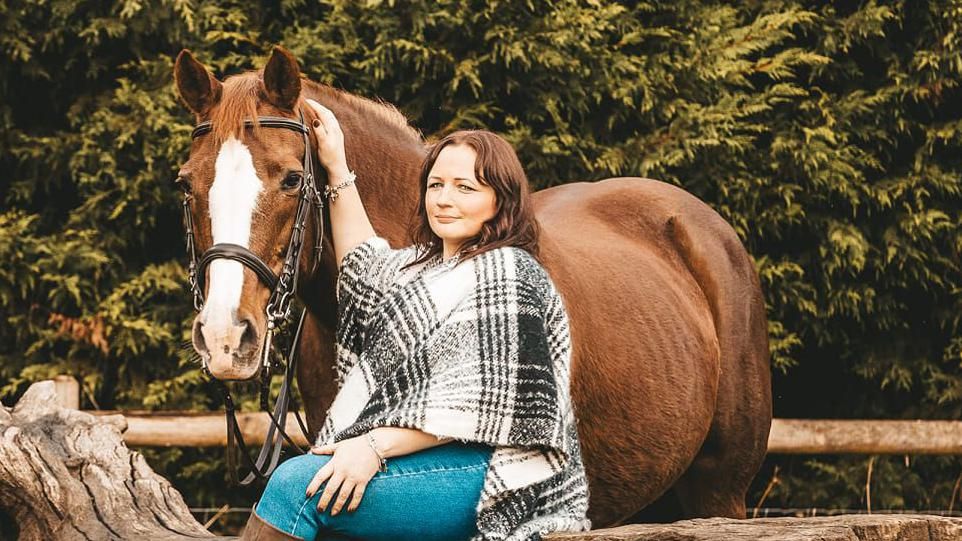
point(242, 92)
point(384, 110)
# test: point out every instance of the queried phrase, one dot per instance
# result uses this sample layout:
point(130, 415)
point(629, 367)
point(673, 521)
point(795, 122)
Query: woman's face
point(457, 202)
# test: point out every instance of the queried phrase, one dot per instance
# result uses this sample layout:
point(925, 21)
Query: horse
point(670, 374)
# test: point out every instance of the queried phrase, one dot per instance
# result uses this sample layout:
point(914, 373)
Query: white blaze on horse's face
point(233, 200)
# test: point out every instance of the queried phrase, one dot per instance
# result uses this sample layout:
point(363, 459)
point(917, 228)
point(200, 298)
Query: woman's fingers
point(323, 450)
point(330, 139)
point(330, 489)
point(325, 117)
point(322, 475)
point(356, 500)
point(318, 122)
point(318, 108)
point(342, 495)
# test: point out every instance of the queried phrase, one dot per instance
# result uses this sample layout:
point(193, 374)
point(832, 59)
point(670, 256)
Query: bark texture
point(837, 528)
point(67, 475)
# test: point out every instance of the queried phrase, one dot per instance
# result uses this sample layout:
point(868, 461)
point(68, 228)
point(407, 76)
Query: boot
point(258, 529)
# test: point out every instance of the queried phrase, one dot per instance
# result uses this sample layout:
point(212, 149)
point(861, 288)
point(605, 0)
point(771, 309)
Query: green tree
point(827, 133)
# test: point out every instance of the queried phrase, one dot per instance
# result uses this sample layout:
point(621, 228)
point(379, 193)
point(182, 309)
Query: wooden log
point(67, 475)
point(837, 528)
point(802, 436)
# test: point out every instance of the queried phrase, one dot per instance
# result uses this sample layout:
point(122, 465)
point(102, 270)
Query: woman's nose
point(444, 198)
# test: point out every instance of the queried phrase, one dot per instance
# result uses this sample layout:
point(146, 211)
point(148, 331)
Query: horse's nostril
point(249, 338)
point(198, 337)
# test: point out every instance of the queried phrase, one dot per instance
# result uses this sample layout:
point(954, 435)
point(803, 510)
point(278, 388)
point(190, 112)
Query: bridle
point(278, 308)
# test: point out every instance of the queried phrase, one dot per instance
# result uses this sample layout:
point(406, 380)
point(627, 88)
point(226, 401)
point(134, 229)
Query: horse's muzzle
point(229, 349)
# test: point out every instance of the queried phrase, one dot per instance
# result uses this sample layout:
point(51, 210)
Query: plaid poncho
point(477, 351)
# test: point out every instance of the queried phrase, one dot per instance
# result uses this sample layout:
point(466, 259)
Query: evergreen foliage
point(829, 134)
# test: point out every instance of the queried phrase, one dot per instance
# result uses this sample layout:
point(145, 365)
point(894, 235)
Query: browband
point(263, 121)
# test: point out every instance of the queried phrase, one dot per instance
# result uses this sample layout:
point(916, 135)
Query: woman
point(453, 419)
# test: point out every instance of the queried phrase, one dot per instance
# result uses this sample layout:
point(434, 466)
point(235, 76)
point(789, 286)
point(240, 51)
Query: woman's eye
point(466, 188)
point(182, 184)
point(433, 184)
point(291, 181)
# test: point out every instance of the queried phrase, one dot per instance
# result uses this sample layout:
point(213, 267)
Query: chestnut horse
point(670, 368)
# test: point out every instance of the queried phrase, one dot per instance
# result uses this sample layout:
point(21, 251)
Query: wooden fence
point(788, 436)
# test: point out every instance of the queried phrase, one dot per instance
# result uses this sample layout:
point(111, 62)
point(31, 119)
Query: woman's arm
point(394, 441)
point(350, 225)
point(391, 441)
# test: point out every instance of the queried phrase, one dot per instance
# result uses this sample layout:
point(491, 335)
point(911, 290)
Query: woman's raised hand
point(352, 465)
point(330, 139)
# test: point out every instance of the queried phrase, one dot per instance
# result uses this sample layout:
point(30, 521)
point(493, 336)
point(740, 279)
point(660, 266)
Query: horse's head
point(244, 186)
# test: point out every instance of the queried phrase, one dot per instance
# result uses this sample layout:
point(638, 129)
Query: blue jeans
point(428, 495)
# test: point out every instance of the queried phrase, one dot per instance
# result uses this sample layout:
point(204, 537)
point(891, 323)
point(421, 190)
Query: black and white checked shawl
point(479, 352)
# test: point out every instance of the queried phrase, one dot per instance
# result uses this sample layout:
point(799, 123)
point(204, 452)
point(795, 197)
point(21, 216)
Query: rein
point(278, 308)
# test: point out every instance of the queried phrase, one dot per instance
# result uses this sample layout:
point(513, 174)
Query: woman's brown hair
point(497, 165)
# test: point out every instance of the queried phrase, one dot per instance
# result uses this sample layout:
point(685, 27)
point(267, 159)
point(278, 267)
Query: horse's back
point(684, 323)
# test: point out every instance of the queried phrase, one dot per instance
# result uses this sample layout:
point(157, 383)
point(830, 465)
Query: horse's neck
point(386, 159)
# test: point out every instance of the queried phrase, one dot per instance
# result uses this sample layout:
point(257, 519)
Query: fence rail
point(191, 429)
point(873, 437)
point(788, 436)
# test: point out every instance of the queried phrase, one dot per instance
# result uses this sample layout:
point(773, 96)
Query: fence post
point(68, 391)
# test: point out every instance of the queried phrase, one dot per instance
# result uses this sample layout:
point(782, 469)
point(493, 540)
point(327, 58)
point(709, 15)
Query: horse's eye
point(182, 184)
point(291, 181)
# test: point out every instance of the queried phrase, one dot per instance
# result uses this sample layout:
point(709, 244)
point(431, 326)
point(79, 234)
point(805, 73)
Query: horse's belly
point(645, 363)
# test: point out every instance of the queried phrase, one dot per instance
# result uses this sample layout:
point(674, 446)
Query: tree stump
point(66, 474)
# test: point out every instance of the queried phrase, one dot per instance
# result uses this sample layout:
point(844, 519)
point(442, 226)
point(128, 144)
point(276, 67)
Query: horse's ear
point(197, 86)
point(282, 79)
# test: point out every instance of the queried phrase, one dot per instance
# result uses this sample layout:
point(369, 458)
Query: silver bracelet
point(383, 462)
point(331, 192)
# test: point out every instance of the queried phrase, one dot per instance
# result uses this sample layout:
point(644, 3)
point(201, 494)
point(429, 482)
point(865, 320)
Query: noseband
point(278, 308)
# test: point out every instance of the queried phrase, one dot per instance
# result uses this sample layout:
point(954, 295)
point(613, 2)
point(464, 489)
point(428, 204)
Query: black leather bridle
point(278, 308)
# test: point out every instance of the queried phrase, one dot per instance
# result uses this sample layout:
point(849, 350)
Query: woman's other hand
point(353, 463)
point(330, 139)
